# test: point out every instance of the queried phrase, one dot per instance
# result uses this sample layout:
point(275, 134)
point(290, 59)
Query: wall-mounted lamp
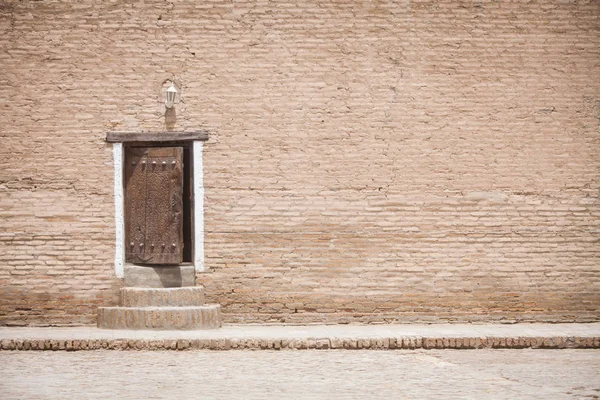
point(171, 95)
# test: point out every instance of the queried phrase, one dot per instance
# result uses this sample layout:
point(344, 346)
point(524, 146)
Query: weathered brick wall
point(369, 160)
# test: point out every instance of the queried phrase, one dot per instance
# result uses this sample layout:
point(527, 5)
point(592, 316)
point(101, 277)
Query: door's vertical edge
point(198, 206)
point(119, 206)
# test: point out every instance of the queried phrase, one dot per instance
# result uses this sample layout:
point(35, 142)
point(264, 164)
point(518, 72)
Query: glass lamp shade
point(171, 95)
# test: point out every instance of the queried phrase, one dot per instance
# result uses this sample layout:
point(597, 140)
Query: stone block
point(160, 318)
point(167, 276)
point(162, 297)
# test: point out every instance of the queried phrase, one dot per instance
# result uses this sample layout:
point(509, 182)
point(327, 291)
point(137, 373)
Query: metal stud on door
point(153, 205)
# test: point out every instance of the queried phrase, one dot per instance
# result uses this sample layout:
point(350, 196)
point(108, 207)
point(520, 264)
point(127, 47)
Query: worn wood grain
point(154, 205)
point(132, 137)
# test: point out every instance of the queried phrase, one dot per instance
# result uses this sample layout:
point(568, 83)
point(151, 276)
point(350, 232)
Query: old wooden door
point(153, 205)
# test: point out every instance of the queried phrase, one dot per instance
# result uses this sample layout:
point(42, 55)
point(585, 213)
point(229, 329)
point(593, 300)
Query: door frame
point(195, 142)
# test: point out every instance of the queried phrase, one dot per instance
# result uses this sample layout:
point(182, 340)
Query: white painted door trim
point(119, 210)
point(198, 178)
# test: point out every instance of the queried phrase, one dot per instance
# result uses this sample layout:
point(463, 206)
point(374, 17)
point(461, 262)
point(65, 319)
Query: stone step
point(163, 276)
point(160, 318)
point(169, 297)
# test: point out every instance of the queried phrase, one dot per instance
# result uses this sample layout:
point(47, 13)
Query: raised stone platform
point(161, 309)
point(321, 337)
point(165, 318)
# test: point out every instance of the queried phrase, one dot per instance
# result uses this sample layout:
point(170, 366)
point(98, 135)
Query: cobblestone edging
point(571, 342)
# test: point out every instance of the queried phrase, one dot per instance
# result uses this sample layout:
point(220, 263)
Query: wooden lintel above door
point(138, 137)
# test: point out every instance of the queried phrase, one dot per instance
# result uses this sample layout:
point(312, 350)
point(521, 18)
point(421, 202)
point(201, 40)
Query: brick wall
point(369, 160)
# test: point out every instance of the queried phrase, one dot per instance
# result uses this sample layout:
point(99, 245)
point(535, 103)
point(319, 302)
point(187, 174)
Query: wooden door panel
point(153, 197)
point(135, 205)
point(164, 228)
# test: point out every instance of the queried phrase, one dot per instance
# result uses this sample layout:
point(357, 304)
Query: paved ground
point(311, 374)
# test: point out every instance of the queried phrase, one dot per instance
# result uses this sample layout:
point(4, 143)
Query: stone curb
point(383, 343)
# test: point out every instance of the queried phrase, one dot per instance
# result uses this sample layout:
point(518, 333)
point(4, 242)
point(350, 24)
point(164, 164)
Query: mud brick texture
point(368, 161)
